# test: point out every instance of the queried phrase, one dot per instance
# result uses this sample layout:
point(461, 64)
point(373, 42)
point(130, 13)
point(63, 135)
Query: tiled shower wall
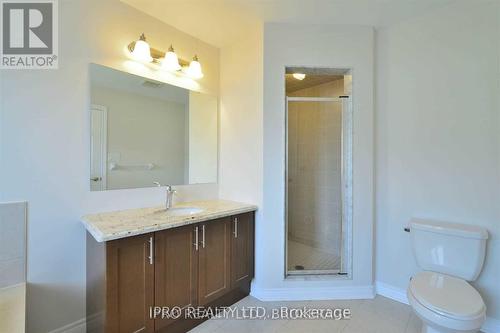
point(314, 169)
point(12, 243)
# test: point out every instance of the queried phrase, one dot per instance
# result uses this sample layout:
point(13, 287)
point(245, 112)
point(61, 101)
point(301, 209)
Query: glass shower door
point(316, 185)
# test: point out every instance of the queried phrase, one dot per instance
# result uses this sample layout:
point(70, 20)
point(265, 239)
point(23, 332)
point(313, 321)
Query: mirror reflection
point(145, 131)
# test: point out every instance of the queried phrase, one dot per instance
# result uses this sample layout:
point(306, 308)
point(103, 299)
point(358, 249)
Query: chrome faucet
point(169, 195)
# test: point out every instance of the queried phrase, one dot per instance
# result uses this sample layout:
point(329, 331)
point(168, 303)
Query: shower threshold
point(314, 272)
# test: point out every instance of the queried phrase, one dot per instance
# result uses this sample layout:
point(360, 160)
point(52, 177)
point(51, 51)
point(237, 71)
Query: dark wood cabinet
point(203, 264)
point(213, 261)
point(176, 271)
point(242, 249)
point(129, 282)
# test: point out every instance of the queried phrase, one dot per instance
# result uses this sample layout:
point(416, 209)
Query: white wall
point(315, 46)
point(438, 134)
point(203, 138)
point(45, 145)
point(241, 132)
point(241, 119)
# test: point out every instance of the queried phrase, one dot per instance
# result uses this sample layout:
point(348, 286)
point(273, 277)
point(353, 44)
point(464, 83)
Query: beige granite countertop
point(131, 222)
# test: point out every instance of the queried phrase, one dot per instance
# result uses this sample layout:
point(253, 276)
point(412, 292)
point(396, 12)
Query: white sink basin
point(183, 211)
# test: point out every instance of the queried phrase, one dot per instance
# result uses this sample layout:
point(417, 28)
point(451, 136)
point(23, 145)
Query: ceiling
point(221, 22)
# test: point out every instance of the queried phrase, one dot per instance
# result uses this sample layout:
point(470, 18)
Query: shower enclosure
point(318, 173)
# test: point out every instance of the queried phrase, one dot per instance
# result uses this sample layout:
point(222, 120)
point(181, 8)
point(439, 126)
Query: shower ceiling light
point(299, 76)
point(141, 50)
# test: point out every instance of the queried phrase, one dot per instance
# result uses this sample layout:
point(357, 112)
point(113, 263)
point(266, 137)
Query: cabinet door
point(176, 270)
point(129, 284)
point(213, 280)
point(242, 249)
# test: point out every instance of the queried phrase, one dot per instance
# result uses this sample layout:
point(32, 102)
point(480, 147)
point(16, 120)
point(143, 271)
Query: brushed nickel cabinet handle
point(151, 250)
point(235, 232)
point(196, 246)
point(203, 236)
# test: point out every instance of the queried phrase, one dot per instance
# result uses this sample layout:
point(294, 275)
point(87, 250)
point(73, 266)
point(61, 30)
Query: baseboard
point(13, 286)
point(391, 292)
point(397, 294)
point(95, 322)
point(78, 326)
point(311, 293)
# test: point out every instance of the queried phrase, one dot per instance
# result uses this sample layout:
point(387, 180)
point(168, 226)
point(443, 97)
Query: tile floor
point(310, 258)
point(380, 315)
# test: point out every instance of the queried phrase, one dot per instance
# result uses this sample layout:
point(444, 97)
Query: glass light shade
point(170, 62)
point(194, 69)
point(299, 76)
point(141, 51)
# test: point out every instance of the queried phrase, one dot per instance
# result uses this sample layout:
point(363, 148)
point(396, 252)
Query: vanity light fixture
point(299, 76)
point(140, 50)
point(194, 69)
point(170, 62)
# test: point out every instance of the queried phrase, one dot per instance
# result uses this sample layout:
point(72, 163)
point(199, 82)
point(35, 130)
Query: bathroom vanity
point(147, 268)
point(195, 254)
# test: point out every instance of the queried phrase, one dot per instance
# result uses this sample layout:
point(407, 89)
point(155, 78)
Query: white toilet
point(450, 255)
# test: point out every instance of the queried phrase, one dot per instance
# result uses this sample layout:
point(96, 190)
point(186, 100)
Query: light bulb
point(194, 69)
point(142, 51)
point(299, 76)
point(170, 62)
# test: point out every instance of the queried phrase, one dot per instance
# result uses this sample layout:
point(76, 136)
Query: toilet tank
point(449, 248)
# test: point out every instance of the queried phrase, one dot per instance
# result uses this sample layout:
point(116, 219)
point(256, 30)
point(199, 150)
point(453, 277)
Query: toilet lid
point(449, 296)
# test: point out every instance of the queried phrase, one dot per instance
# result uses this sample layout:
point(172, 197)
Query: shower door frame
point(345, 271)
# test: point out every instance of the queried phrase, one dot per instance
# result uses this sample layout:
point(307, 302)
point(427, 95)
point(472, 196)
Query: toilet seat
point(446, 301)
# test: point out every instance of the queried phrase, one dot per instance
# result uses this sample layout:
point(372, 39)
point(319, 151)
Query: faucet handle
point(169, 187)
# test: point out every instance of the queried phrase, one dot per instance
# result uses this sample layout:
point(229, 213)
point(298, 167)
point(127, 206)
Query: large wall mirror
point(145, 131)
